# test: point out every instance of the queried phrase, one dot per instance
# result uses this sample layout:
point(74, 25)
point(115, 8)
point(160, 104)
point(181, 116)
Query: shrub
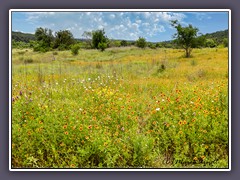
point(161, 68)
point(159, 45)
point(40, 49)
point(21, 52)
point(62, 47)
point(152, 46)
point(55, 53)
point(99, 66)
point(141, 42)
point(225, 42)
point(210, 43)
point(124, 43)
point(102, 46)
point(193, 62)
point(75, 49)
point(28, 60)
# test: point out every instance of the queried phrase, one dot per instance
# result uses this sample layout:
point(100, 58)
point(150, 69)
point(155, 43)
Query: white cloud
point(100, 27)
point(112, 16)
point(135, 26)
point(168, 16)
point(118, 25)
point(201, 15)
point(138, 21)
point(41, 13)
point(145, 24)
point(134, 36)
point(70, 28)
point(147, 14)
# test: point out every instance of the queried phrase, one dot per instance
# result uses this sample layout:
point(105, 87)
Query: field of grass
point(121, 108)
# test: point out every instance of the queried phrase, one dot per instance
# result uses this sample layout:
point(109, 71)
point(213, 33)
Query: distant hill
point(217, 36)
point(24, 37)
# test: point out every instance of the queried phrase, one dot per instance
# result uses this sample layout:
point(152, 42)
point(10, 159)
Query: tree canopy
point(141, 42)
point(88, 37)
point(44, 37)
point(63, 39)
point(99, 39)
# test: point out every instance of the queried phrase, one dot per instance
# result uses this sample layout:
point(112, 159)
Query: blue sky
point(154, 26)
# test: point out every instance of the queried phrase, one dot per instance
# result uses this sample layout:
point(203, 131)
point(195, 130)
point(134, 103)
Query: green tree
point(44, 39)
point(141, 42)
point(64, 39)
point(123, 43)
point(88, 37)
point(199, 42)
point(99, 39)
point(185, 36)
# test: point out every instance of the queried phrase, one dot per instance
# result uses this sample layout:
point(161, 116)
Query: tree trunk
point(188, 52)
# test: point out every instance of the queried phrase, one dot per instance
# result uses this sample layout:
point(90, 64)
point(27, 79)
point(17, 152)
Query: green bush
point(102, 46)
point(141, 42)
point(225, 42)
point(193, 62)
point(39, 48)
point(152, 46)
point(124, 43)
point(210, 43)
point(75, 49)
point(161, 68)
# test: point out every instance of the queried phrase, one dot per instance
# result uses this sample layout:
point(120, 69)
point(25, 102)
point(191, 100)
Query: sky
point(153, 26)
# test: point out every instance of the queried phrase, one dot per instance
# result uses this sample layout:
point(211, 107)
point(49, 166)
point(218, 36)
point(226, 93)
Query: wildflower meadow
point(122, 108)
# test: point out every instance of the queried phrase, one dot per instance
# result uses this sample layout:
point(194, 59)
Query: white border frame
point(120, 10)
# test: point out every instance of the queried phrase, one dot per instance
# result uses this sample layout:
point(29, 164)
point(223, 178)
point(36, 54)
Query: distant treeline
point(24, 37)
point(27, 40)
point(218, 36)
